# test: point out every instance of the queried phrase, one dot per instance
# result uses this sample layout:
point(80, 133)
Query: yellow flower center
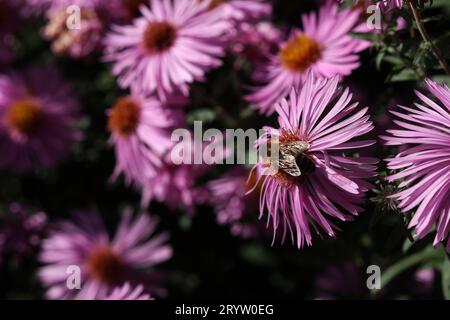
point(159, 36)
point(25, 116)
point(124, 116)
point(299, 53)
point(104, 264)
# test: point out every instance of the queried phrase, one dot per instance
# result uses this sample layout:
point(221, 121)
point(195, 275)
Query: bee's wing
point(287, 164)
point(300, 146)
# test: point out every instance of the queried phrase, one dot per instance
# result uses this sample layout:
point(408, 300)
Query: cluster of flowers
point(157, 48)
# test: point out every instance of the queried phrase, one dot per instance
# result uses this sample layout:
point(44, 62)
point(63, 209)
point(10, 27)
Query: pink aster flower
point(316, 181)
point(231, 203)
point(39, 3)
point(124, 292)
point(242, 10)
point(174, 44)
point(80, 40)
point(140, 131)
point(176, 186)
point(424, 166)
point(255, 43)
point(76, 43)
point(384, 3)
point(388, 5)
point(109, 10)
point(323, 46)
point(37, 114)
point(104, 263)
point(386, 8)
point(106, 8)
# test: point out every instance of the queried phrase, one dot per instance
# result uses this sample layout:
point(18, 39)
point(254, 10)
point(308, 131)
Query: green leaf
point(205, 115)
point(247, 113)
point(407, 245)
point(185, 222)
point(369, 36)
point(396, 61)
point(379, 59)
point(442, 79)
point(442, 3)
point(404, 75)
point(258, 255)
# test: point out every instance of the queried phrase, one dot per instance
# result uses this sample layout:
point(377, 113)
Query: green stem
point(406, 263)
point(426, 37)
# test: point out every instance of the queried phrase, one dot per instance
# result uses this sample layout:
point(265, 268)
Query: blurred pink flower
point(423, 282)
point(342, 281)
point(124, 292)
point(37, 113)
point(323, 46)
point(39, 3)
point(74, 39)
point(381, 3)
point(424, 167)
point(174, 44)
point(256, 43)
point(177, 185)
point(20, 231)
point(105, 6)
point(316, 126)
point(77, 43)
point(387, 5)
point(231, 203)
point(242, 10)
point(104, 263)
point(140, 131)
point(367, 7)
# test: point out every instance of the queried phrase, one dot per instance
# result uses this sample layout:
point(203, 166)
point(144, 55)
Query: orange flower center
point(124, 116)
point(25, 116)
point(104, 264)
point(159, 36)
point(215, 3)
point(299, 53)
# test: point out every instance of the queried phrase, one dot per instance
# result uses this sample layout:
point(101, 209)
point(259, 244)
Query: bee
point(293, 158)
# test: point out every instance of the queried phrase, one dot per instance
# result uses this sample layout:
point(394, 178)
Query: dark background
point(208, 262)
